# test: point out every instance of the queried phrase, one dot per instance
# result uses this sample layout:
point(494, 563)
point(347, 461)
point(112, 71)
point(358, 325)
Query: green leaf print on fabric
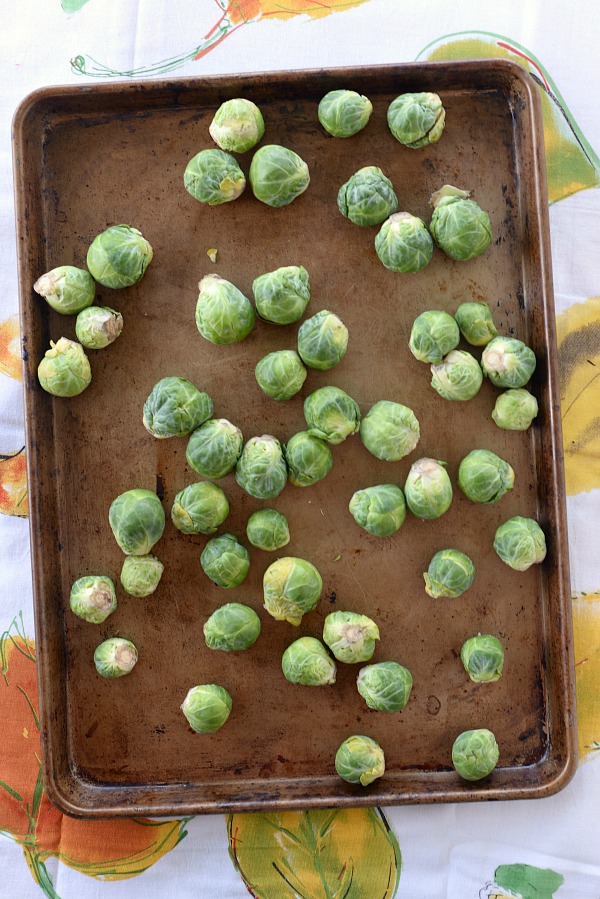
point(527, 881)
point(72, 5)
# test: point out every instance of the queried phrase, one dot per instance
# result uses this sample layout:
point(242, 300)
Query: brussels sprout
point(280, 374)
point(306, 661)
point(98, 326)
point(351, 637)
point(368, 197)
point(433, 335)
point(520, 542)
point(115, 657)
point(225, 561)
point(416, 120)
point(232, 628)
point(385, 686)
point(281, 296)
point(277, 175)
point(261, 470)
point(380, 510)
point(223, 314)
point(428, 490)
point(119, 256)
point(291, 587)
point(475, 754)
point(237, 125)
point(476, 323)
point(389, 430)
point(484, 477)
point(483, 658)
point(308, 459)
point(322, 340)
point(214, 177)
point(65, 369)
point(175, 408)
point(343, 113)
point(360, 759)
point(214, 448)
point(403, 243)
point(450, 573)
point(457, 377)
point(268, 530)
point(508, 362)
point(207, 708)
point(93, 598)
point(459, 226)
point(67, 289)
point(331, 414)
point(140, 575)
point(515, 409)
point(199, 508)
point(137, 519)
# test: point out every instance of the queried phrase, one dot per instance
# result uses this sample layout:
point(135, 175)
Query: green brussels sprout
point(307, 662)
point(261, 470)
point(223, 314)
point(331, 414)
point(214, 177)
point(351, 637)
point(417, 119)
point(98, 326)
point(280, 374)
point(175, 408)
point(322, 340)
point(450, 573)
point(137, 520)
point(360, 759)
point(281, 296)
point(515, 409)
point(389, 430)
point(207, 708)
point(343, 113)
point(403, 243)
point(520, 542)
point(508, 362)
point(308, 459)
point(119, 256)
point(277, 175)
point(385, 686)
point(475, 754)
point(267, 529)
point(291, 587)
point(199, 508)
point(483, 658)
point(476, 323)
point(214, 448)
point(484, 477)
point(380, 510)
point(225, 561)
point(65, 369)
point(140, 575)
point(232, 628)
point(460, 227)
point(237, 125)
point(67, 289)
point(368, 197)
point(93, 598)
point(457, 377)
point(433, 335)
point(428, 490)
point(115, 657)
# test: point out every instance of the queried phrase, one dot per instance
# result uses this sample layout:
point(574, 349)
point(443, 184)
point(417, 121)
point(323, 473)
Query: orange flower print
point(10, 347)
point(13, 484)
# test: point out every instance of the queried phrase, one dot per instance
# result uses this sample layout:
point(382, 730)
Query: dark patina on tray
point(88, 157)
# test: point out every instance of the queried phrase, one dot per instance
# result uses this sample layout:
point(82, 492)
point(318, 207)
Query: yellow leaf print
point(13, 484)
point(586, 630)
point(10, 347)
point(578, 338)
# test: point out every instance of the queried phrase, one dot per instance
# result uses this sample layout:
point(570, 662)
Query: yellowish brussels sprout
point(137, 520)
point(175, 407)
point(351, 637)
point(308, 459)
point(368, 197)
point(207, 707)
point(199, 508)
point(380, 510)
point(343, 113)
point(389, 430)
point(214, 448)
point(277, 175)
point(483, 658)
point(237, 125)
point(457, 377)
point(416, 119)
point(331, 414)
point(93, 598)
point(225, 561)
point(360, 759)
point(460, 227)
point(268, 529)
point(450, 573)
point(403, 243)
point(115, 657)
point(515, 409)
point(508, 362)
point(428, 489)
point(65, 369)
point(119, 256)
point(97, 327)
point(385, 686)
point(223, 314)
point(214, 177)
point(261, 470)
point(233, 627)
point(67, 289)
point(140, 575)
point(475, 754)
point(322, 340)
point(291, 588)
point(307, 662)
point(520, 542)
point(433, 334)
point(281, 296)
point(476, 323)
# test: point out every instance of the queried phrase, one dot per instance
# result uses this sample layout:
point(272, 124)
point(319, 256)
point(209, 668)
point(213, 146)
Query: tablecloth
point(538, 848)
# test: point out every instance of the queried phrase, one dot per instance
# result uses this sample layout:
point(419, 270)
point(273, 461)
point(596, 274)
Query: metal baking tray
point(86, 157)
